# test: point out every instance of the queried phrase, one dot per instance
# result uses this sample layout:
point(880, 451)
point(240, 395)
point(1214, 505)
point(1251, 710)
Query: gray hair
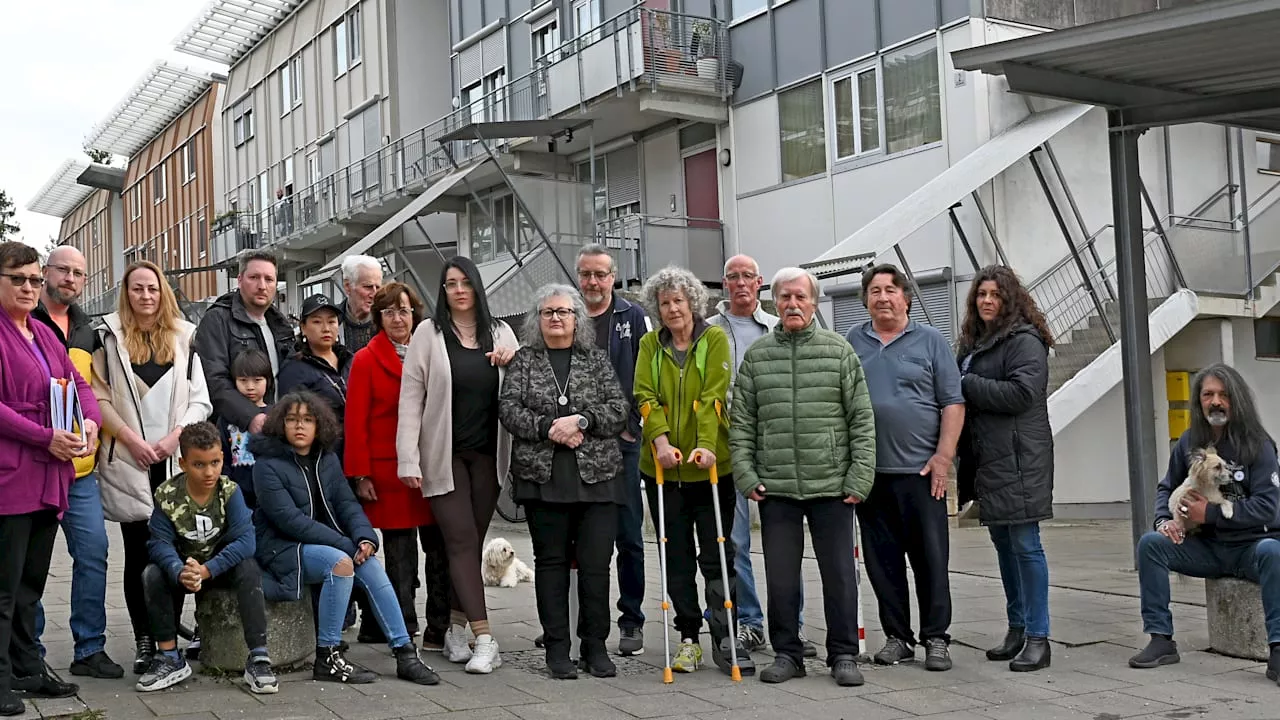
point(791, 274)
point(352, 265)
point(584, 331)
point(674, 279)
point(740, 256)
point(593, 249)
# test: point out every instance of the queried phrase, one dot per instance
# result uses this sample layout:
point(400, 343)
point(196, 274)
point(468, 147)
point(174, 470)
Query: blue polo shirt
point(910, 380)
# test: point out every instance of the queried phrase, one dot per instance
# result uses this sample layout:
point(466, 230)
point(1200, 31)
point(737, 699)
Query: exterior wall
point(174, 232)
point(92, 228)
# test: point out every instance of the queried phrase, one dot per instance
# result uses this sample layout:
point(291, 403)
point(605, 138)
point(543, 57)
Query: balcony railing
point(642, 244)
point(662, 50)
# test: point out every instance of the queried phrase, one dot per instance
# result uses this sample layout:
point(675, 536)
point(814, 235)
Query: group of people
point(279, 463)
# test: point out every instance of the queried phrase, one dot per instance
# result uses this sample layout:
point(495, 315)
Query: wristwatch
point(583, 422)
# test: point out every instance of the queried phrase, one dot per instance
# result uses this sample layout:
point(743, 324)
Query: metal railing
point(645, 243)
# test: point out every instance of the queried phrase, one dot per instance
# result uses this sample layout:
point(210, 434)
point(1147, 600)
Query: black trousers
point(402, 569)
point(901, 520)
point(26, 549)
point(164, 601)
point(137, 558)
point(782, 537)
point(691, 547)
point(562, 533)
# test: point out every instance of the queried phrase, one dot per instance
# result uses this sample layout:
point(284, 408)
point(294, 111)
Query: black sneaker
point(937, 657)
point(782, 670)
point(259, 676)
point(630, 641)
point(845, 672)
point(810, 650)
point(193, 647)
point(895, 650)
point(751, 637)
point(146, 652)
point(11, 704)
point(1160, 651)
point(331, 665)
point(165, 672)
point(720, 654)
point(1273, 664)
point(410, 667)
point(97, 665)
point(595, 660)
point(44, 686)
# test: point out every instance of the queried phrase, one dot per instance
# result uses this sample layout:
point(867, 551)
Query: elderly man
point(1238, 538)
point(83, 522)
point(915, 390)
point(803, 442)
point(361, 278)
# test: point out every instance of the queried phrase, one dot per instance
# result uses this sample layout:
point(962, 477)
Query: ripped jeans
point(318, 562)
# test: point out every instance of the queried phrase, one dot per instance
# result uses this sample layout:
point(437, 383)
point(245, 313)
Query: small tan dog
point(1207, 474)
point(500, 566)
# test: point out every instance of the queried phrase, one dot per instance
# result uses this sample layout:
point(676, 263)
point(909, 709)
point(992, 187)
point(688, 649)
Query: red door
point(702, 189)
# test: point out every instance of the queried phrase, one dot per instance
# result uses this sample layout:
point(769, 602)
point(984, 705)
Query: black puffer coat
point(1006, 449)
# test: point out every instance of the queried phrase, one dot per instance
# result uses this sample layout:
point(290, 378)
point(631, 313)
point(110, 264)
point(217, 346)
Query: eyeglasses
point(20, 280)
point(369, 287)
point(599, 275)
point(299, 420)
point(561, 313)
point(396, 312)
point(68, 270)
point(743, 276)
point(457, 285)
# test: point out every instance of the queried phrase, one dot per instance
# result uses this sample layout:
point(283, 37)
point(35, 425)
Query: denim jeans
point(630, 542)
point(1197, 557)
point(86, 534)
point(1025, 575)
point(317, 568)
point(749, 611)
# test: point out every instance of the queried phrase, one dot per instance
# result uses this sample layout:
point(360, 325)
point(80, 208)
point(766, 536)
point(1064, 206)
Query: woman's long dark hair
point(1244, 431)
point(1016, 306)
point(444, 319)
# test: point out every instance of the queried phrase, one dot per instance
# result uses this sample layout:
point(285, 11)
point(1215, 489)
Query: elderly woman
point(450, 444)
point(1006, 450)
point(564, 409)
point(36, 471)
point(682, 375)
point(150, 384)
point(400, 512)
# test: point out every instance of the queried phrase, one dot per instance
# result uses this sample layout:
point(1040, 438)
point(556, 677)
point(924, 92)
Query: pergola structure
point(1216, 62)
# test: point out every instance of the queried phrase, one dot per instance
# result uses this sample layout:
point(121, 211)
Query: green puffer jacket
point(802, 420)
point(670, 393)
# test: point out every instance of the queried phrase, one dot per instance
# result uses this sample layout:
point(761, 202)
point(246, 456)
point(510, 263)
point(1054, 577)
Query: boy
point(200, 515)
point(251, 370)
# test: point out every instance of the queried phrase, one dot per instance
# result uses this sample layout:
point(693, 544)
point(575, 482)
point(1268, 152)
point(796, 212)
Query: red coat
point(373, 402)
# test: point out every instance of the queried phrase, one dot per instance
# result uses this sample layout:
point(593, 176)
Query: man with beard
point(361, 278)
point(1244, 542)
point(83, 522)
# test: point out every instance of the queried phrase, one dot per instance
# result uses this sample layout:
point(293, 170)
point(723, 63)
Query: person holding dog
point(1244, 544)
point(564, 408)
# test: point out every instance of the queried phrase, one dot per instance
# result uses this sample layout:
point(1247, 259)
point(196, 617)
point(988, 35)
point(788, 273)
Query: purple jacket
point(31, 479)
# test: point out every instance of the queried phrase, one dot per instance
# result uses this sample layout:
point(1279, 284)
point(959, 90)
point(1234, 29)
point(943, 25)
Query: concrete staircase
point(1081, 346)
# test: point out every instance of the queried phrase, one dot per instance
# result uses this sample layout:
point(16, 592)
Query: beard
point(593, 298)
point(63, 297)
point(1217, 417)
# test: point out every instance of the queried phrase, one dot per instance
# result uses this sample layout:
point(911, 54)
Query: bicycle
point(508, 508)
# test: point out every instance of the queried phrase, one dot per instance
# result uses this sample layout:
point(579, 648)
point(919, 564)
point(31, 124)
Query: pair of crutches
point(667, 677)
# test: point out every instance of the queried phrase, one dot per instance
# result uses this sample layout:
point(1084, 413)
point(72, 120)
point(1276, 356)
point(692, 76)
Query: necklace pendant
point(563, 400)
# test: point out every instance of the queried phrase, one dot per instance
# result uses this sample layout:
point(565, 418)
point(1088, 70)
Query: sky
point(64, 65)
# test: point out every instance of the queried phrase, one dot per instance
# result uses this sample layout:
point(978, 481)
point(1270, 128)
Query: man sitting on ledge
point(1244, 542)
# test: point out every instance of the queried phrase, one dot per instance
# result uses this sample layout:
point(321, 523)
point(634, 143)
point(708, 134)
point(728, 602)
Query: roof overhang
point(1208, 62)
point(162, 94)
point(103, 177)
point(62, 194)
point(227, 30)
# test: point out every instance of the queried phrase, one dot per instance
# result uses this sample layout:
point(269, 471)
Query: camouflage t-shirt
point(200, 530)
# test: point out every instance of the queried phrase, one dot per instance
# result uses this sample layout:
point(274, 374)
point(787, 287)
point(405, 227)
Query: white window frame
point(291, 85)
point(824, 114)
point(188, 162)
point(135, 203)
point(471, 99)
point(852, 75)
point(286, 174)
point(1259, 141)
point(159, 184)
point(203, 223)
point(355, 44)
point(743, 17)
point(347, 46)
point(550, 28)
point(242, 124)
point(588, 34)
point(491, 85)
point(341, 55)
point(184, 244)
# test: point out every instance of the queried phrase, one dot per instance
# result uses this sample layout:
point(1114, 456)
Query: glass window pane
point(842, 97)
point(802, 129)
point(340, 46)
point(869, 110)
point(742, 8)
point(912, 100)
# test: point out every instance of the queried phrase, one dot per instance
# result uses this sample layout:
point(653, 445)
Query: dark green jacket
point(802, 420)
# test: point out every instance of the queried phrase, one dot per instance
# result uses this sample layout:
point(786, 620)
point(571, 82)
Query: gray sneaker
point(630, 641)
point(895, 650)
point(937, 657)
point(752, 638)
point(164, 672)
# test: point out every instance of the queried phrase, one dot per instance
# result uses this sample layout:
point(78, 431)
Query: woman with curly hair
point(1006, 450)
point(311, 531)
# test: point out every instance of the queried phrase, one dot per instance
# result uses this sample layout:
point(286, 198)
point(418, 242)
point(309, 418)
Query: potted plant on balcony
point(668, 55)
point(704, 51)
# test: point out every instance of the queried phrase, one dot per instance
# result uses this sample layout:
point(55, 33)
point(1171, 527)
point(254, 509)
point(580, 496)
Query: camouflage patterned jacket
point(219, 535)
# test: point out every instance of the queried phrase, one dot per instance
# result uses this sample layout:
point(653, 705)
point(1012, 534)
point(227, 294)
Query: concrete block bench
point(1236, 619)
point(291, 631)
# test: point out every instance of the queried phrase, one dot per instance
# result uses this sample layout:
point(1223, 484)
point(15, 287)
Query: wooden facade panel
point(88, 229)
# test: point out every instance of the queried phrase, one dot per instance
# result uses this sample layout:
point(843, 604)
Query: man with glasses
point(361, 279)
point(83, 523)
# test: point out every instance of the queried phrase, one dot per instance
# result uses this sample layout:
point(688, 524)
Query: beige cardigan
point(424, 434)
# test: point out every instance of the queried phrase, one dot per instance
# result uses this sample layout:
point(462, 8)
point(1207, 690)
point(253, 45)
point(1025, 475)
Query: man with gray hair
point(803, 437)
point(361, 279)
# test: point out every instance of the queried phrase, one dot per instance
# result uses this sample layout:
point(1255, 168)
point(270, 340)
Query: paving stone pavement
point(1096, 626)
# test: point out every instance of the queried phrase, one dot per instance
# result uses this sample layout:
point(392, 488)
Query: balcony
point(642, 244)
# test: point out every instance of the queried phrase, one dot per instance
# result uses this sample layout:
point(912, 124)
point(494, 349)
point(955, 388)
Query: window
point(158, 184)
point(743, 8)
point(202, 237)
point(489, 243)
point(471, 97)
point(184, 244)
point(801, 126)
point(346, 41)
point(856, 107)
point(264, 192)
point(496, 106)
point(364, 138)
point(135, 202)
point(586, 17)
point(545, 38)
point(291, 85)
point(188, 162)
point(286, 175)
point(1268, 151)
point(912, 98)
point(313, 168)
point(1266, 337)
point(242, 123)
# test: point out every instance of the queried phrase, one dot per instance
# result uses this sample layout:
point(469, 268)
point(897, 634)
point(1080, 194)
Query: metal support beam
point(964, 239)
point(915, 286)
point(1164, 237)
point(991, 228)
point(1244, 218)
point(1135, 342)
point(1217, 108)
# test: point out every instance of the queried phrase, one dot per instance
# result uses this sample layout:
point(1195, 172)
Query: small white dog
point(500, 567)
point(1207, 475)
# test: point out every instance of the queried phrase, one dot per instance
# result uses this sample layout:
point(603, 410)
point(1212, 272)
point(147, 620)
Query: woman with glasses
point(564, 408)
point(449, 442)
point(36, 471)
point(400, 512)
point(150, 384)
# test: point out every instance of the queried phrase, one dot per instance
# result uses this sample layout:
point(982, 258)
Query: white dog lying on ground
point(500, 567)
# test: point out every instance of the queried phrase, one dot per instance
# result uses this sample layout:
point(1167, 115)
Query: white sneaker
point(456, 648)
point(485, 659)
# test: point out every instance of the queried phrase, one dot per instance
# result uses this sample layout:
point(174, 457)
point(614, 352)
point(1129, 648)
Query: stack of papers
point(64, 407)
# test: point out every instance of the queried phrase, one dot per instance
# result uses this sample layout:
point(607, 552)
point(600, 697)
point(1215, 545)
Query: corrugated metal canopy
point(161, 95)
point(228, 29)
point(1215, 61)
point(62, 193)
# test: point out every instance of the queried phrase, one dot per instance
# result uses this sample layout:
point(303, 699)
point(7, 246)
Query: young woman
point(1006, 450)
point(150, 385)
point(311, 531)
point(320, 364)
point(450, 445)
